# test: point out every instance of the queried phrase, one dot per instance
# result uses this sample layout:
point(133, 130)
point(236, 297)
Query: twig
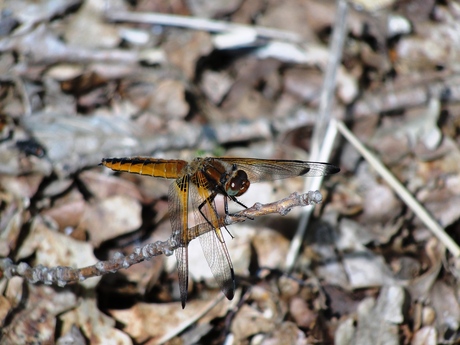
point(30, 47)
point(327, 92)
point(61, 276)
point(403, 193)
point(321, 143)
point(200, 24)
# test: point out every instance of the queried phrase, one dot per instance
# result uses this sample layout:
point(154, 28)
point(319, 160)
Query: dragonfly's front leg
point(209, 200)
point(234, 199)
point(220, 222)
point(239, 203)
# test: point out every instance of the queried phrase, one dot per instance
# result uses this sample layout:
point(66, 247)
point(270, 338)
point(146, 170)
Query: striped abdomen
point(165, 168)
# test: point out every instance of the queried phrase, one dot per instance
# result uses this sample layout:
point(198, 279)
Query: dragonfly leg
point(209, 201)
point(234, 215)
point(234, 199)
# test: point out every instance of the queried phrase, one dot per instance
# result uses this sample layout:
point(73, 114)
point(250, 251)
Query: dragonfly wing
point(270, 169)
point(216, 253)
point(212, 242)
point(182, 272)
point(178, 214)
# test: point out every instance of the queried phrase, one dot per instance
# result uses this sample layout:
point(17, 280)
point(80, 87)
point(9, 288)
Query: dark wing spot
point(304, 171)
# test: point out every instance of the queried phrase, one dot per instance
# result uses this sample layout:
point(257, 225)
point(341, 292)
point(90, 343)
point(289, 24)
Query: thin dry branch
point(204, 24)
point(324, 134)
point(61, 276)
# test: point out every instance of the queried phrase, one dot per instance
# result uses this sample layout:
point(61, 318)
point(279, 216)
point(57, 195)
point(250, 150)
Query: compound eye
point(238, 184)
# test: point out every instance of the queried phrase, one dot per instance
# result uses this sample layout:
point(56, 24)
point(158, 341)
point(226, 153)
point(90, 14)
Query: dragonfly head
point(238, 183)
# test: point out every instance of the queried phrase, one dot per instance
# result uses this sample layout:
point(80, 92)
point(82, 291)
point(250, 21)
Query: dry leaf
point(111, 217)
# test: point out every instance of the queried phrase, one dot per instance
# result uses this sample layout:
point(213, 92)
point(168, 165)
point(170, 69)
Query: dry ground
point(83, 80)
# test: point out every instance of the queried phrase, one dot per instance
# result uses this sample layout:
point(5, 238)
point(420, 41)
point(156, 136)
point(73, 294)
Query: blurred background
point(86, 80)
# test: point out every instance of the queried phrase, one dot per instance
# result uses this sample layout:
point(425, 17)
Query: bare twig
point(63, 275)
point(203, 24)
point(31, 48)
point(322, 143)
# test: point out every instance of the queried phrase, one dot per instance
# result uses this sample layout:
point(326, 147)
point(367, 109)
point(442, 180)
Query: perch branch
point(61, 276)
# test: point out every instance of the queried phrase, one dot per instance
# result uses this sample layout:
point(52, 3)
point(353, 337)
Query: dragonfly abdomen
point(165, 168)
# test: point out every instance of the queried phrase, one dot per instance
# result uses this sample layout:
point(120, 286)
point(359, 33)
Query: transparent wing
point(219, 261)
point(268, 169)
point(178, 214)
point(212, 242)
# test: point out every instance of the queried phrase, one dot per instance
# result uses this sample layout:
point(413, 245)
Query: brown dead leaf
point(345, 333)
point(9, 234)
point(303, 83)
point(157, 323)
point(74, 337)
point(242, 100)
point(365, 269)
point(105, 186)
point(268, 255)
point(377, 320)
point(67, 216)
point(36, 322)
point(23, 186)
point(433, 47)
point(111, 217)
point(14, 292)
point(288, 16)
point(89, 20)
point(425, 336)
point(302, 314)
point(342, 302)
point(96, 326)
point(445, 302)
point(55, 249)
point(215, 85)
point(184, 48)
point(420, 286)
point(248, 322)
point(5, 310)
point(286, 333)
point(168, 100)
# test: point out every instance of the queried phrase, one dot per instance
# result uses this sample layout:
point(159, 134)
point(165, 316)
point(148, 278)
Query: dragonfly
point(196, 185)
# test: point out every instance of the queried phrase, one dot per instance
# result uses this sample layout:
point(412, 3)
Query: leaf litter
point(82, 81)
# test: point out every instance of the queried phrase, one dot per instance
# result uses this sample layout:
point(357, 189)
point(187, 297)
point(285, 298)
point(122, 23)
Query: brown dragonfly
point(194, 191)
